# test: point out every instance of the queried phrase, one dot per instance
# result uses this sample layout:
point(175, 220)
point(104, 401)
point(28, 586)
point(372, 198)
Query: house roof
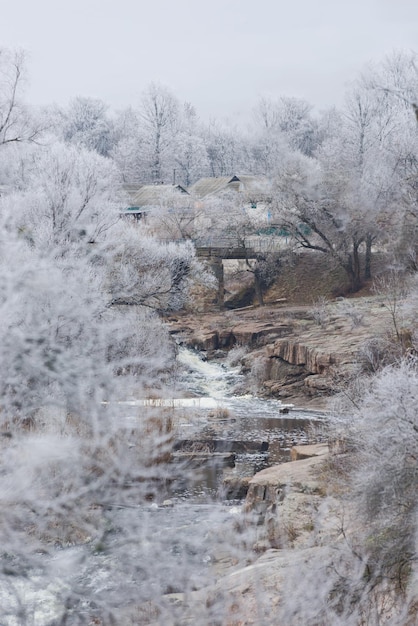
point(131, 189)
point(257, 185)
point(150, 195)
point(209, 186)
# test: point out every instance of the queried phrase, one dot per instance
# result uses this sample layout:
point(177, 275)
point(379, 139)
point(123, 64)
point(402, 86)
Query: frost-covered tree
point(85, 122)
point(394, 82)
point(367, 573)
point(358, 190)
point(128, 152)
point(146, 139)
point(379, 136)
point(21, 126)
point(316, 211)
point(70, 197)
point(349, 196)
point(78, 466)
point(226, 150)
point(159, 115)
point(17, 123)
point(67, 453)
point(288, 120)
point(143, 271)
point(190, 154)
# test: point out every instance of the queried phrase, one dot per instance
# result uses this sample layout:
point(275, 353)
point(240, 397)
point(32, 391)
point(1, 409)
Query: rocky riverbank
point(282, 503)
point(304, 354)
point(280, 516)
point(291, 518)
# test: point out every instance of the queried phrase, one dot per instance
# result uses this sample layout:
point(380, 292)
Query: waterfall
point(206, 378)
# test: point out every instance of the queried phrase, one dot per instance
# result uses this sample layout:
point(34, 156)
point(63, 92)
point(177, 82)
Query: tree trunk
point(353, 268)
point(368, 258)
point(356, 267)
point(217, 268)
point(156, 166)
point(258, 289)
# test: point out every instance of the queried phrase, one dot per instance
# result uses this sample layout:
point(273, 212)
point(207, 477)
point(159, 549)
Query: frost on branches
point(79, 295)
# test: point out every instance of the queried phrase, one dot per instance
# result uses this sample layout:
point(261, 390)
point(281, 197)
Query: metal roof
point(254, 185)
point(151, 195)
point(131, 189)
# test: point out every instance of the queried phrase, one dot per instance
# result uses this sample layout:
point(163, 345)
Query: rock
point(283, 390)
point(235, 487)
point(197, 459)
point(208, 341)
point(294, 349)
point(275, 389)
point(283, 501)
point(277, 369)
point(226, 339)
point(297, 353)
point(252, 334)
point(248, 595)
point(318, 383)
point(268, 486)
point(305, 452)
point(218, 355)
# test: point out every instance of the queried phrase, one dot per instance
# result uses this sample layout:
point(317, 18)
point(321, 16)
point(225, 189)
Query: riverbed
point(177, 542)
point(259, 432)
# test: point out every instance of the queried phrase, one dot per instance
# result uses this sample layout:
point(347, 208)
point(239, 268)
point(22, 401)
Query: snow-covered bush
point(366, 572)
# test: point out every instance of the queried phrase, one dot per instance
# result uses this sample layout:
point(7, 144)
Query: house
point(144, 198)
point(254, 192)
point(255, 188)
point(250, 195)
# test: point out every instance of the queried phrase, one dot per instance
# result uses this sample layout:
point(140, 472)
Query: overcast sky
point(220, 55)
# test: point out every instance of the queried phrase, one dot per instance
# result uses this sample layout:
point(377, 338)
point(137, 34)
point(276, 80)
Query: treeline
point(343, 180)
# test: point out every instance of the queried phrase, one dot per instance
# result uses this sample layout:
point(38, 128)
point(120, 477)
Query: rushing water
point(218, 420)
point(215, 385)
point(180, 541)
point(205, 378)
point(259, 432)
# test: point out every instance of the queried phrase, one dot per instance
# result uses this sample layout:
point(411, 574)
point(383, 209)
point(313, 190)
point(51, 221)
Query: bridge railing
point(256, 243)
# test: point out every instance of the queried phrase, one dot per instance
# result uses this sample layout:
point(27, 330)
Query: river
point(212, 416)
point(178, 542)
point(259, 431)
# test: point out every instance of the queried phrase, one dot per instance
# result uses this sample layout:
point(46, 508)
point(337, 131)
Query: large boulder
point(282, 500)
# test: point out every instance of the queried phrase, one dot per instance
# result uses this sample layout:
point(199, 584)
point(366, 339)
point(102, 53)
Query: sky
point(220, 55)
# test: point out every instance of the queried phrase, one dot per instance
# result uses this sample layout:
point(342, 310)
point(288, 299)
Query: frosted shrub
point(319, 311)
point(376, 353)
point(83, 471)
point(393, 288)
point(365, 572)
point(350, 310)
point(236, 354)
point(258, 372)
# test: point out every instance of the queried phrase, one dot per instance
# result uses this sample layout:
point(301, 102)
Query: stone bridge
point(215, 256)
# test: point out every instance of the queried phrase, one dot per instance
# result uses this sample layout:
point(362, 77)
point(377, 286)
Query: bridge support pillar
point(216, 265)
